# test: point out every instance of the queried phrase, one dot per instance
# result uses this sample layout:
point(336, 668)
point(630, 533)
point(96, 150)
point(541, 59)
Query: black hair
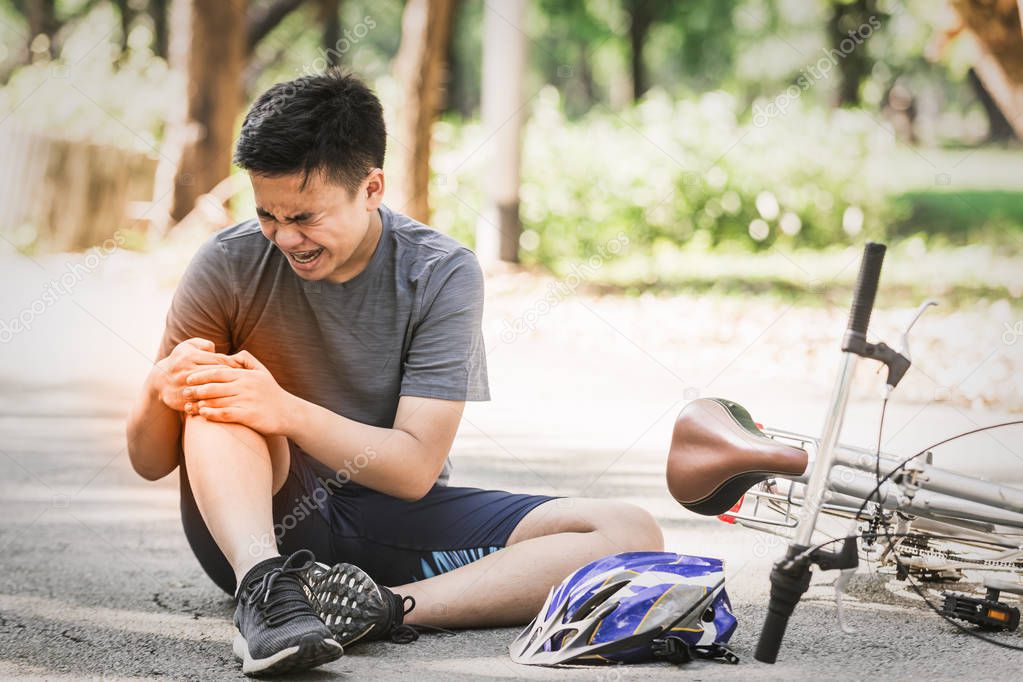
point(330, 123)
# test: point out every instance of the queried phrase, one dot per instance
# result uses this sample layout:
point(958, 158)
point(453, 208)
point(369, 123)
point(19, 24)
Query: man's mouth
point(305, 257)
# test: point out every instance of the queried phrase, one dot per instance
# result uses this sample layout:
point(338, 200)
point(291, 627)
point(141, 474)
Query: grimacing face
point(325, 232)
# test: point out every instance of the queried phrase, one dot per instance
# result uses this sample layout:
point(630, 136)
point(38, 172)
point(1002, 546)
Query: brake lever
point(904, 341)
point(897, 361)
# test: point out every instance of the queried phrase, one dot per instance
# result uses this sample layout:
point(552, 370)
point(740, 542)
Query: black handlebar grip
point(771, 636)
point(863, 296)
point(789, 581)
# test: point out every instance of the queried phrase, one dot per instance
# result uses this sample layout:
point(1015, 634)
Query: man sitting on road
point(311, 378)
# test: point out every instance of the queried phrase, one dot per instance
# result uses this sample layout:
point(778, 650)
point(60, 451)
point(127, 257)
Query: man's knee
point(199, 433)
point(631, 528)
point(623, 526)
point(202, 436)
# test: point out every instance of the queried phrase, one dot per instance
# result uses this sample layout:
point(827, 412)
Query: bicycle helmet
point(633, 607)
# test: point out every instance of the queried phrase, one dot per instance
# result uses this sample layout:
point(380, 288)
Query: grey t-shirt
point(409, 324)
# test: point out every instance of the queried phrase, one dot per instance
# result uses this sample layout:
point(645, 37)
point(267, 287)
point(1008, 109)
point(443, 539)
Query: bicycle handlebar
point(771, 636)
point(790, 577)
point(789, 580)
point(863, 296)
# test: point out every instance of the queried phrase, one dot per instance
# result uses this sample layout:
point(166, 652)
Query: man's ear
point(374, 189)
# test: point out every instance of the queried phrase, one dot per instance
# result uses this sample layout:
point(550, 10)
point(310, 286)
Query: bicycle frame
point(933, 492)
point(845, 480)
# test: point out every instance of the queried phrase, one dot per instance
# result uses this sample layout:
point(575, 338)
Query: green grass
point(958, 276)
point(961, 216)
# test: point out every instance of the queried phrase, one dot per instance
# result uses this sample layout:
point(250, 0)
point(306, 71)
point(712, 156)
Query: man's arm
point(197, 326)
point(154, 433)
point(403, 461)
point(445, 365)
point(154, 424)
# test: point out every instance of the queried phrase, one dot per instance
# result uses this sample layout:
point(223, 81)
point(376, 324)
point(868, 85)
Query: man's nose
point(288, 237)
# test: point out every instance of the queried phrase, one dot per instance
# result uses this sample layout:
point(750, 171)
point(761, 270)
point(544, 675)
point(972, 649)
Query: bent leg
point(508, 587)
point(233, 472)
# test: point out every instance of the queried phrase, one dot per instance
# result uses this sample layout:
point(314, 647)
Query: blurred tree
point(849, 24)
point(157, 10)
point(996, 25)
point(196, 154)
point(464, 79)
point(45, 18)
point(672, 44)
point(329, 15)
point(126, 14)
point(419, 69)
point(999, 129)
point(698, 39)
point(572, 31)
point(503, 104)
point(265, 16)
point(41, 17)
point(642, 15)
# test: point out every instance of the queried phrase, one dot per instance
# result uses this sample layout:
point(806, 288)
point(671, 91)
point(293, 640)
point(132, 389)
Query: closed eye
point(300, 218)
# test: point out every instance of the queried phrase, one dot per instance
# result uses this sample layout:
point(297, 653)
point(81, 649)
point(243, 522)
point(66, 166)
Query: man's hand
point(168, 375)
point(247, 394)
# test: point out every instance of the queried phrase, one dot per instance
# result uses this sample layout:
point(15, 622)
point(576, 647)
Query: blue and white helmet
point(628, 608)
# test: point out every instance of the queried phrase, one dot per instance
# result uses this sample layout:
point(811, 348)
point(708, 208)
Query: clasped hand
point(234, 388)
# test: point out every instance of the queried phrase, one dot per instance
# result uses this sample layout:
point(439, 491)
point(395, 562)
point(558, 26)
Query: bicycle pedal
point(989, 614)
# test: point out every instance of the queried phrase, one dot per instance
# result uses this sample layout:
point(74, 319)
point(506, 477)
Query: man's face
point(320, 228)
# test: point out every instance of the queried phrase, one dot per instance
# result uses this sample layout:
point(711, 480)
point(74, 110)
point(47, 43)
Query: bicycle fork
point(790, 577)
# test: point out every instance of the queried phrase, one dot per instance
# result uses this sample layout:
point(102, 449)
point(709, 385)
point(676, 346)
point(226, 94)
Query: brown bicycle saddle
point(718, 453)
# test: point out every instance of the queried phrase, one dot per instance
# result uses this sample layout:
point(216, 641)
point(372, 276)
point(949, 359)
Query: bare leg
point(233, 477)
point(508, 587)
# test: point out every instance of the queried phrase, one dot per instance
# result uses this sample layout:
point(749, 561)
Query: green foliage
point(677, 172)
point(961, 217)
point(83, 97)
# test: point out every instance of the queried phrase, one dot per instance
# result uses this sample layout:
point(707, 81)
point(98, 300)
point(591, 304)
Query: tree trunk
point(266, 19)
point(504, 62)
point(158, 11)
point(41, 17)
point(641, 19)
point(197, 148)
point(589, 86)
point(462, 95)
point(125, 14)
point(847, 25)
point(419, 67)
point(998, 128)
point(330, 16)
point(996, 26)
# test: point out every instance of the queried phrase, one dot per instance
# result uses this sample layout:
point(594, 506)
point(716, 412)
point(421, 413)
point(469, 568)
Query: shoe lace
point(290, 600)
point(405, 633)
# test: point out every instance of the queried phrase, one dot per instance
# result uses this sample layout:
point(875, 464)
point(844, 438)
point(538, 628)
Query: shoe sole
point(341, 595)
point(312, 650)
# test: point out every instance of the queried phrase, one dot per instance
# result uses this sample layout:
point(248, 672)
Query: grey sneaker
point(278, 629)
point(355, 608)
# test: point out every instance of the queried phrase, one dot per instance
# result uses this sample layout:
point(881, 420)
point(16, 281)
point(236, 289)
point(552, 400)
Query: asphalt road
point(96, 579)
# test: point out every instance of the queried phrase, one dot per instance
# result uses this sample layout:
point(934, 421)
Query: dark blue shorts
point(396, 542)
